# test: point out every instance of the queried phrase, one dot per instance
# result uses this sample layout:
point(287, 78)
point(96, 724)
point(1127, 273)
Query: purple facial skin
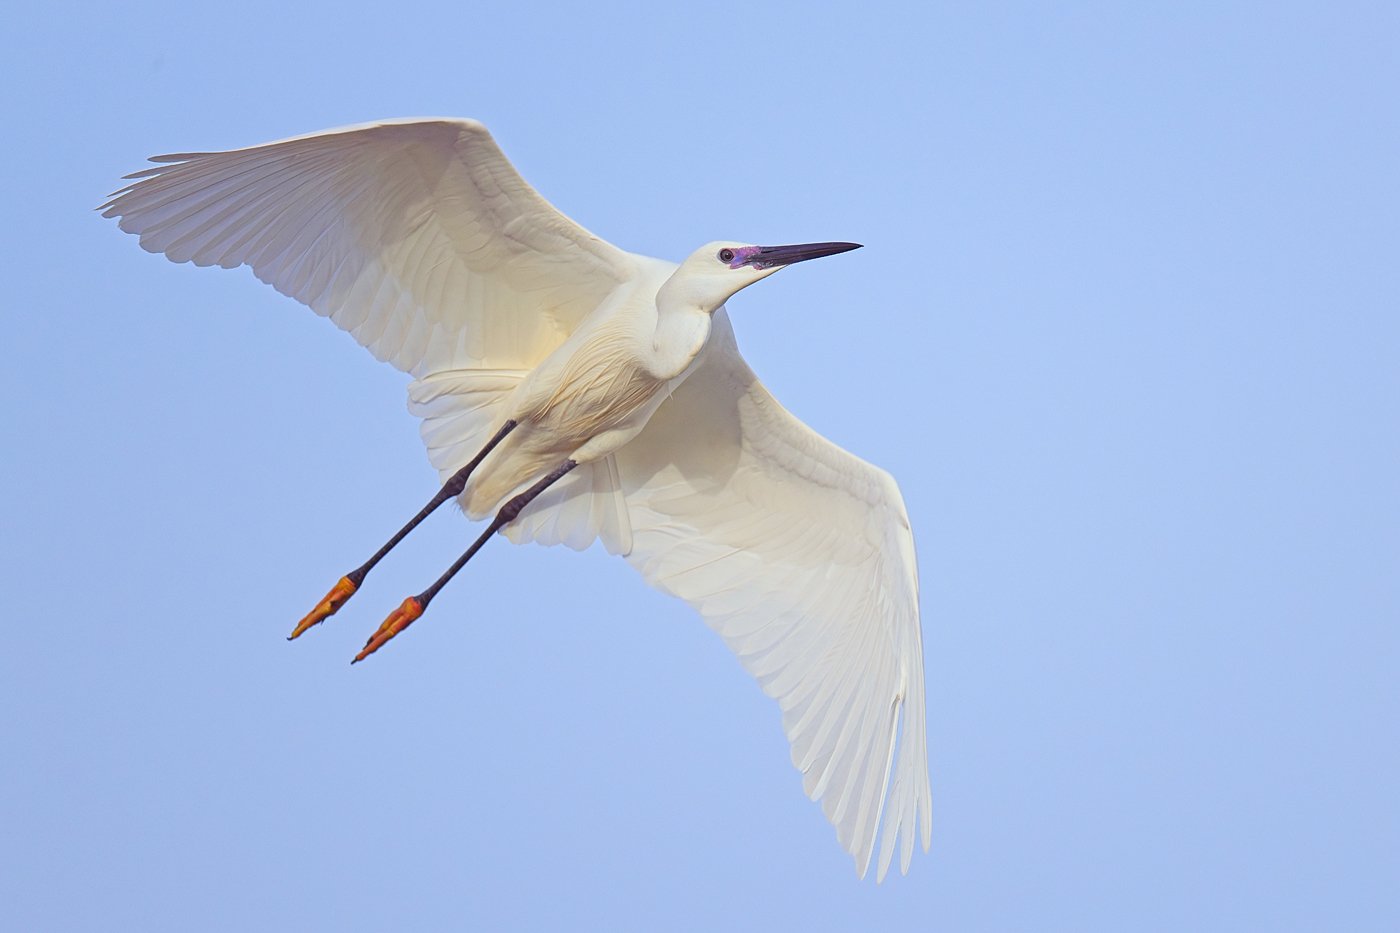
point(743, 254)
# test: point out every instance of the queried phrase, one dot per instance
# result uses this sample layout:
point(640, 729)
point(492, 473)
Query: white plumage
point(419, 238)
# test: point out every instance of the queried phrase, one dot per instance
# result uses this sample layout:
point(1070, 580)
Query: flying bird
point(569, 392)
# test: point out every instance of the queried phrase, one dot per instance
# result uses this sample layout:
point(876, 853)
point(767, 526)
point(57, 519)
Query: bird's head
point(717, 270)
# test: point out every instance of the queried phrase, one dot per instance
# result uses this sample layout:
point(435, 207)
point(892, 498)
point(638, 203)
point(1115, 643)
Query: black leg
point(411, 608)
point(348, 584)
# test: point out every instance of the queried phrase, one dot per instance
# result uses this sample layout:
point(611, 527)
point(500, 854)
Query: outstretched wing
point(416, 236)
point(800, 556)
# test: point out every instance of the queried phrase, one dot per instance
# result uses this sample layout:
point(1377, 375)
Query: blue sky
point(1125, 329)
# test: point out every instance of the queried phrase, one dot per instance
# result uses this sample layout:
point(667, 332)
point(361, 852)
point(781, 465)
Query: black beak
point(769, 256)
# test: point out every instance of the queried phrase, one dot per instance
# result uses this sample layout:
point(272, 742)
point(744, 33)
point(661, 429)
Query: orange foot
point(327, 607)
point(400, 619)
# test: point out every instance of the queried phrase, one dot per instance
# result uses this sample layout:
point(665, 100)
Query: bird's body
point(584, 393)
point(595, 392)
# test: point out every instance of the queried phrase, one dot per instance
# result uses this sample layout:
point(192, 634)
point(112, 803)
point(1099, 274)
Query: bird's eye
point(726, 255)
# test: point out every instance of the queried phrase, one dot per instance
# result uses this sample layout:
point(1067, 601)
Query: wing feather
point(800, 557)
point(416, 236)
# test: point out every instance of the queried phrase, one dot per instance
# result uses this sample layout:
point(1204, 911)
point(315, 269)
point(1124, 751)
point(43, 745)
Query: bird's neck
point(682, 328)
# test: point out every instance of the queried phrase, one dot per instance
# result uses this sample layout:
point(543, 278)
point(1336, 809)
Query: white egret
point(580, 392)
